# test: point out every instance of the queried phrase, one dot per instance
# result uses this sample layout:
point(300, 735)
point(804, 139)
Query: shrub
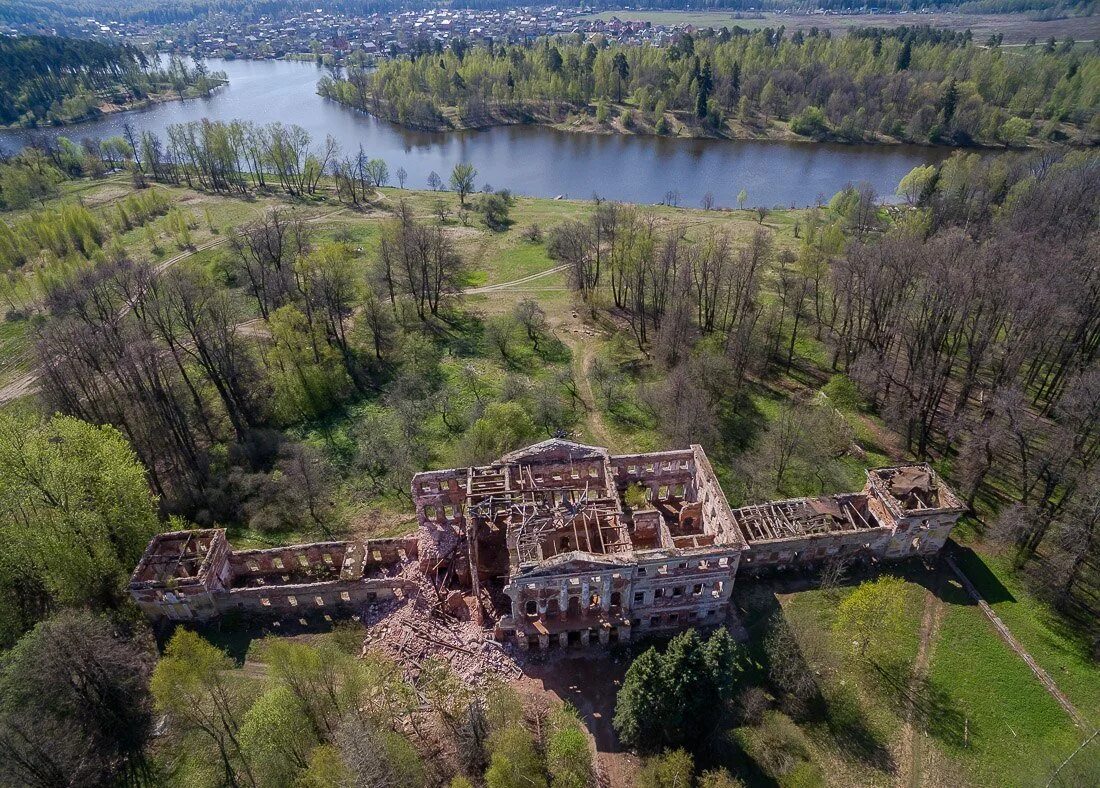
point(843, 393)
point(674, 769)
point(781, 750)
point(810, 122)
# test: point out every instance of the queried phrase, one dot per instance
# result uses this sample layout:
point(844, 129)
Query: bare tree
point(533, 319)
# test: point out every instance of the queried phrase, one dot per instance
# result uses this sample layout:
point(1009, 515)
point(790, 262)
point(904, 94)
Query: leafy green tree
point(504, 426)
point(494, 210)
point(326, 769)
point(326, 682)
point(568, 754)
point(309, 375)
point(462, 180)
point(277, 738)
point(810, 122)
point(192, 683)
point(22, 186)
point(75, 516)
point(514, 760)
point(916, 183)
point(741, 197)
point(1014, 131)
point(871, 618)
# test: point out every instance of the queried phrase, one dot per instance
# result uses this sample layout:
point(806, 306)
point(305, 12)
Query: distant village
point(332, 37)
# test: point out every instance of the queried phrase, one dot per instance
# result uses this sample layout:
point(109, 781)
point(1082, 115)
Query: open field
point(1016, 28)
point(973, 715)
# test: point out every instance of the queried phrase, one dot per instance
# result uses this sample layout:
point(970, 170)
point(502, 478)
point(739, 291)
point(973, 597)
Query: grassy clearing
point(996, 720)
point(1038, 628)
point(982, 716)
point(852, 739)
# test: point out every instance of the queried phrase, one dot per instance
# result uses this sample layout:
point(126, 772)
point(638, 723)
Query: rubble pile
point(419, 625)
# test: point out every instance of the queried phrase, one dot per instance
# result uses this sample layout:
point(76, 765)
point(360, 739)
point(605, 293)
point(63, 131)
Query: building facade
point(196, 576)
point(562, 544)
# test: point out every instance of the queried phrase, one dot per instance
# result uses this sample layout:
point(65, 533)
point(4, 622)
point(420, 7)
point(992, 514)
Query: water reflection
point(527, 159)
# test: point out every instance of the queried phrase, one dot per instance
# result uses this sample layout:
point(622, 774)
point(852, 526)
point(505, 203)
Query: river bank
point(106, 108)
point(626, 120)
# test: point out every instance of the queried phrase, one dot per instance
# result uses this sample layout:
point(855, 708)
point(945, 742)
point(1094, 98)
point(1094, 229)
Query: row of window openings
point(789, 556)
point(677, 591)
point(553, 608)
point(303, 561)
point(672, 618)
point(704, 563)
point(665, 490)
point(668, 466)
point(319, 601)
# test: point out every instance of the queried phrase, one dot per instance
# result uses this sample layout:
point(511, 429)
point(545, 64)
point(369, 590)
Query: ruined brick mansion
point(561, 543)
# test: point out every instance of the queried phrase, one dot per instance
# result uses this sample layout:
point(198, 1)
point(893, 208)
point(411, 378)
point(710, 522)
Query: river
point(531, 160)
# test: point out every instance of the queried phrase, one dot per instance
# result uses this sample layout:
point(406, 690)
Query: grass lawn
point(854, 743)
point(1012, 731)
point(983, 717)
point(1045, 636)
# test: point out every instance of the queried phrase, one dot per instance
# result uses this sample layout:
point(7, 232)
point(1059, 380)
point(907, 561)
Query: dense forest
point(909, 84)
point(47, 79)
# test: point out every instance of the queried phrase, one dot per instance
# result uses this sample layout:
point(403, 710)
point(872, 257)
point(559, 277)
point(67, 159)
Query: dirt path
point(506, 285)
point(910, 754)
point(583, 355)
point(1015, 645)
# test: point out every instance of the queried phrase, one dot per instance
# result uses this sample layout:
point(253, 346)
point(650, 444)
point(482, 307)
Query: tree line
point(320, 716)
point(908, 84)
point(49, 79)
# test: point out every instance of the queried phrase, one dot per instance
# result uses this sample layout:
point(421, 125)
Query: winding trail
point(583, 355)
point(514, 282)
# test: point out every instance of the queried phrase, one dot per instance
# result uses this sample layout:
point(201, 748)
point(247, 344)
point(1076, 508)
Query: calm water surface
point(529, 160)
